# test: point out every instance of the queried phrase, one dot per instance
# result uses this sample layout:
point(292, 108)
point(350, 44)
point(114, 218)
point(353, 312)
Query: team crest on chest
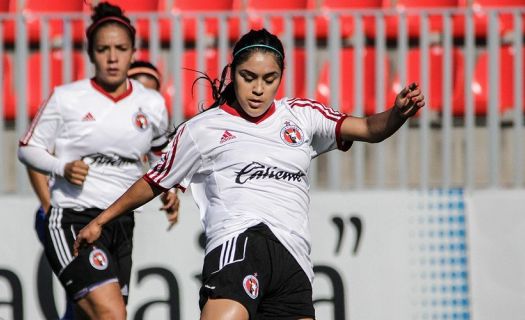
point(292, 135)
point(251, 286)
point(140, 120)
point(98, 259)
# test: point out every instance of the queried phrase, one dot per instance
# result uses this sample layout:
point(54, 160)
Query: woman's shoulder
point(297, 103)
point(144, 92)
point(206, 116)
point(308, 106)
point(73, 87)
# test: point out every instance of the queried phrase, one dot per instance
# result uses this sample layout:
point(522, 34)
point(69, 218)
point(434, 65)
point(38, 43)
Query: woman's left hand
point(87, 236)
point(409, 101)
point(171, 203)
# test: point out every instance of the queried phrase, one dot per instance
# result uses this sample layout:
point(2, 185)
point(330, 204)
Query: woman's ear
point(133, 55)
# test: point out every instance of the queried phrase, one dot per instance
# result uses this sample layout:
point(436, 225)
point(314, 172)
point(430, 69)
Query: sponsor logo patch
point(256, 171)
point(251, 286)
point(98, 259)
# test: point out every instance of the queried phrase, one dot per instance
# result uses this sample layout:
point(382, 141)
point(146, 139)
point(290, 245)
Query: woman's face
point(256, 82)
point(112, 54)
point(147, 81)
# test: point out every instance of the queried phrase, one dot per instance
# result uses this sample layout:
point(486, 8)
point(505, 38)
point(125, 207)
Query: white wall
point(411, 260)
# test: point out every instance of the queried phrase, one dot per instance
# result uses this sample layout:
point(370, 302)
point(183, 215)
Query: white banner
point(377, 255)
point(496, 235)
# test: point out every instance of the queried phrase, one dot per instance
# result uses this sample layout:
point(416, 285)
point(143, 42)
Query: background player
point(90, 135)
point(252, 189)
point(148, 75)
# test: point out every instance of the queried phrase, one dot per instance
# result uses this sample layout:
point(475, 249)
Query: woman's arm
point(137, 195)
point(380, 126)
point(40, 185)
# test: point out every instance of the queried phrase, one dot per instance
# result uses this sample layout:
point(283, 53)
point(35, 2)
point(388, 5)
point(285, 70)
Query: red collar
point(241, 113)
point(104, 92)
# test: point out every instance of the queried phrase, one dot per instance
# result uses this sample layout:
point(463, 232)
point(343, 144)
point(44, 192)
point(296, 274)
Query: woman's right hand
point(87, 236)
point(75, 172)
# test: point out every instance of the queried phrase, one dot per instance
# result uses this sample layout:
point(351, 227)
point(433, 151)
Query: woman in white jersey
point(145, 73)
point(91, 136)
point(148, 75)
point(247, 160)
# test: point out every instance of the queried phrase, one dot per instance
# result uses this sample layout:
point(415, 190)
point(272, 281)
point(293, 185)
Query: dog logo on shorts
point(251, 286)
point(98, 259)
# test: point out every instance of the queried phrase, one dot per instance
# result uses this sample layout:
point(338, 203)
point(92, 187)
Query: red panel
point(34, 88)
point(254, 7)
point(299, 75)
point(413, 20)
point(55, 26)
point(506, 23)
point(190, 23)
point(480, 87)
point(4, 5)
point(434, 98)
point(8, 89)
point(347, 21)
point(347, 81)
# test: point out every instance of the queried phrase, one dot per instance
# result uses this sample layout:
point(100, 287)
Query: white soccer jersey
point(246, 171)
point(81, 121)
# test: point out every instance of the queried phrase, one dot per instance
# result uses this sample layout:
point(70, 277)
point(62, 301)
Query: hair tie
point(261, 46)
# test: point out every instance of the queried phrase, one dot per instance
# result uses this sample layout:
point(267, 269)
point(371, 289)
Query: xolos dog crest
point(251, 286)
point(292, 135)
point(140, 120)
point(98, 259)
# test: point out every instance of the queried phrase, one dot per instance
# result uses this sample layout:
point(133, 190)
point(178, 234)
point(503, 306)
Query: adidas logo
point(226, 136)
point(88, 117)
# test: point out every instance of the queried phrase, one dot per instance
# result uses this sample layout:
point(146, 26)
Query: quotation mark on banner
point(356, 224)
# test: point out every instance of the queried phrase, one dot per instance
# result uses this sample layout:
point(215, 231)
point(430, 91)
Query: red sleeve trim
point(158, 186)
point(341, 144)
point(181, 188)
point(327, 112)
point(153, 183)
point(25, 140)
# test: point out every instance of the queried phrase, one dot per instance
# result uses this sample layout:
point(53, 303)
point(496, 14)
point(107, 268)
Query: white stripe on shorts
point(54, 231)
point(228, 250)
point(63, 236)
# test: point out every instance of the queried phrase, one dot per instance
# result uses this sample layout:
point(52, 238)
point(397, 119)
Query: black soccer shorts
point(108, 260)
point(256, 270)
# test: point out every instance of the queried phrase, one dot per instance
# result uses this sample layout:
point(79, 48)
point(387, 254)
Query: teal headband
point(258, 45)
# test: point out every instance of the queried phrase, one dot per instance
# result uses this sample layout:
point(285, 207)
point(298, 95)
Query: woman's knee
point(105, 302)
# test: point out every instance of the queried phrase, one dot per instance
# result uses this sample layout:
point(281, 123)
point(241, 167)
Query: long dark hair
point(253, 41)
point(105, 13)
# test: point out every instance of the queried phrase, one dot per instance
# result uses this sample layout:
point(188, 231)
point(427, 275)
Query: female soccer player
point(146, 73)
point(247, 160)
point(91, 135)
